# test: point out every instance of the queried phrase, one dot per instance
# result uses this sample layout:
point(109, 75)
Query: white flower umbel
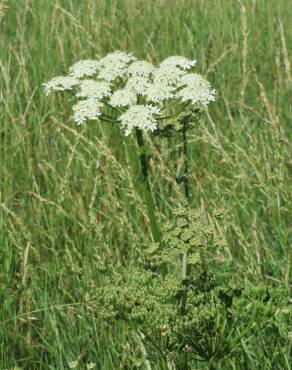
point(166, 79)
point(178, 61)
point(141, 68)
point(158, 92)
point(138, 84)
point(123, 98)
point(114, 65)
point(88, 109)
point(94, 89)
point(197, 89)
point(139, 116)
point(60, 83)
point(170, 75)
point(84, 68)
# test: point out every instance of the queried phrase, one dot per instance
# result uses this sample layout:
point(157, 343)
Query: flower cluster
point(94, 89)
point(202, 94)
point(60, 83)
point(140, 116)
point(135, 90)
point(86, 109)
point(84, 68)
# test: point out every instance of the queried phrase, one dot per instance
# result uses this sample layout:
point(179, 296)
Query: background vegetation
point(69, 200)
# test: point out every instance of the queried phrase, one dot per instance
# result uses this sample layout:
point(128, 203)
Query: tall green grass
point(70, 197)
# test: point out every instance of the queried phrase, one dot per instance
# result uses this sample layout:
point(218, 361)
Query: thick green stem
point(183, 361)
point(212, 366)
point(148, 196)
point(164, 364)
point(186, 168)
point(187, 195)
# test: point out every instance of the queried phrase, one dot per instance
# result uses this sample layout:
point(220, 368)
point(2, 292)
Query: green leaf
point(194, 258)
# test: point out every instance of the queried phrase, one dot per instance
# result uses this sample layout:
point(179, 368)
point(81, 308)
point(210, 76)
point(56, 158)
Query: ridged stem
point(185, 269)
point(183, 360)
point(148, 196)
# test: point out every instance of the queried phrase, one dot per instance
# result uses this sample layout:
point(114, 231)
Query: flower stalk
point(185, 268)
point(148, 196)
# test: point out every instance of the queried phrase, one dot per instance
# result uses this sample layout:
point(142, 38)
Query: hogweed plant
point(173, 299)
point(137, 96)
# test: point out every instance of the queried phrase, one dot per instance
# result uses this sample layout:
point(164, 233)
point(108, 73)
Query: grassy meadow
point(70, 201)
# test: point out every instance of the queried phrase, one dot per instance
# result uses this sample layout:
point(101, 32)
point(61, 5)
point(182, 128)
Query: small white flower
point(60, 83)
point(197, 89)
point(114, 65)
point(117, 56)
point(111, 72)
point(123, 98)
point(141, 68)
point(73, 364)
point(157, 92)
point(178, 61)
point(140, 116)
point(86, 109)
point(87, 67)
point(169, 75)
point(91, 365)
point(166, 80)
point(94, 89)
point(138, 84)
